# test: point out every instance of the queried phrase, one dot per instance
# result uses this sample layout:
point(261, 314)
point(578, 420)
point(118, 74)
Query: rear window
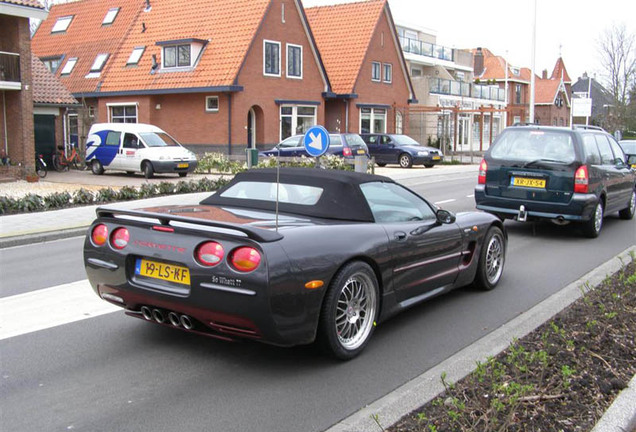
point(265, 191)
point(534, 145)
point(354, 141)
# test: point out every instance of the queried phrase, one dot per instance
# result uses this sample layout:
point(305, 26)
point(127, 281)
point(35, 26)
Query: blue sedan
point(402, 150)
point(347, 145)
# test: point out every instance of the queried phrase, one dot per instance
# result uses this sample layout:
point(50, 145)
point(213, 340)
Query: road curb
point(41, 237)
point(391, 408)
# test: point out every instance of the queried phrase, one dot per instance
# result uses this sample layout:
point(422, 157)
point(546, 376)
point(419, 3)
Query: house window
point(91, 111)
point(296, 120)
point(110, 16)
point(518, 93)
point(375, 71)
point(68, 67)
point(135, 55)
point(123, 113)
point(372, 120)
point(388, 72)
point(62, 24)
point(271, 58)
point(99, 62)
point(294, 61)
point(52, 63)
point(176, 56)
point(211, 103)
point(416, 72)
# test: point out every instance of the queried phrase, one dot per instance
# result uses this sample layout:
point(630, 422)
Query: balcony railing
point(9, 67)
point(418, 47)
point(458, 88)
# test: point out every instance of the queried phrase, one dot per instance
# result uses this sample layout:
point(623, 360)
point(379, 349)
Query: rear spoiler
point(258, 234)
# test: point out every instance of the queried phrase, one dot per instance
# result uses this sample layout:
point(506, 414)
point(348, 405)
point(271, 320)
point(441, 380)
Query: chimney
point(478, 62)
point(544, 74)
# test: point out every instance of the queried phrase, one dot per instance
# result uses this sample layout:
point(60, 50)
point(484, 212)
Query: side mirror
point(445, 217)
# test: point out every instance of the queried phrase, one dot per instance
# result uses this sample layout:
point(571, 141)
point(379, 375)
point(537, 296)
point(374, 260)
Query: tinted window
point(619, 156)
point(335, 140)
point(264, 191)
point(607, 157)
point(591, 150)
point(112, 139)
point(390, 202)
point(130, 141)
point(534, 145)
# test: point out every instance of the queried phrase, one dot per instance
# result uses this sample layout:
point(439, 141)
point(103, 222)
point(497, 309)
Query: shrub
point(147, 190)
point(127, 193)
point(105, 195)
point(83, 197)
point(57, 200)
point(8, 205)
point(165, 188)
point(31, 203)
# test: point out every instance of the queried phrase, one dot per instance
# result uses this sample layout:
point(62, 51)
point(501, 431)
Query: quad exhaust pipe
point(173, 318)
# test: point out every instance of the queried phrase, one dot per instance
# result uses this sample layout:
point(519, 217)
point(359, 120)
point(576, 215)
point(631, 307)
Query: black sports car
point(290, 257)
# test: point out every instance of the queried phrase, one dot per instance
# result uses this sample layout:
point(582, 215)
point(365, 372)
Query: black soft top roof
point(341, 198)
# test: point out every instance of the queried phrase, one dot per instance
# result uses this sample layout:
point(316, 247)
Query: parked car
point(320, 255)
point(347, 145)
point(564, 175)
point(135, 147)
point(629, 147)
point(402, 150)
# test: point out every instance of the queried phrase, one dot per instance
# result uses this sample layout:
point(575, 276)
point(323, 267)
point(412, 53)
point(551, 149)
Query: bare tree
point(617, 48)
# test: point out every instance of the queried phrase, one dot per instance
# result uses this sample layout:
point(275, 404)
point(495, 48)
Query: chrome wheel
point(629, 211)
point(598, 217)
point(405, 160)
point(355, 311)
point(494, 258)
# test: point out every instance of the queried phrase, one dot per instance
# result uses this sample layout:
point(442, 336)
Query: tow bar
point(522, 216)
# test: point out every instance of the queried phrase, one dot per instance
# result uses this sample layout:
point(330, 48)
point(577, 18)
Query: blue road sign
point(316, 141)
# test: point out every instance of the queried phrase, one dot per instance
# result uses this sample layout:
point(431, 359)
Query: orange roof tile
point(343, 33)
point(495, 68)
point(29, 3)
point(559, 71)
point(546, 90)
point(85, 38)
point(47, 89)
point(228, 26)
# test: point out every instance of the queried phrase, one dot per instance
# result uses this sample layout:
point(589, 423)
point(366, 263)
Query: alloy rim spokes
point(598, 217)
point(355, 311)
point(494, 259)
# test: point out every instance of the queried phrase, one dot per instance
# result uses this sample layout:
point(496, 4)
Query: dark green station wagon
point(559, 174)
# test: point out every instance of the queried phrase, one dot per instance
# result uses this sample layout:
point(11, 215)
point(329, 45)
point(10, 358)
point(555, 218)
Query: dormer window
point(180, 53)
point(135, 56)
point(52, 63)
point(68, 67)
point(110, 16)
point(62, 24)
point(516, 71)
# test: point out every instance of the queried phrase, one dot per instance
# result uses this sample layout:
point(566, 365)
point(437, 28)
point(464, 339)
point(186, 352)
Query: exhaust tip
point(146, 313)
point(186, 322)
point(157, 314)
point(174, 319)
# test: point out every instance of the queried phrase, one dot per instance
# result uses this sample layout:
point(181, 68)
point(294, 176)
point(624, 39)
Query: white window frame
point(373, 68)
point(387, 67)
point(372, 119)
point(294, 117)
point(69, 66)
point(287, 61)
point(265, 73)
point(207, 108)
point(110, 107)
point(135, 55)
point(110, 16)
point(62, 24)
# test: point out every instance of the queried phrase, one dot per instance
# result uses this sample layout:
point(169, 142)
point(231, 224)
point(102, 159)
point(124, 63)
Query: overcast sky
point(569, 27)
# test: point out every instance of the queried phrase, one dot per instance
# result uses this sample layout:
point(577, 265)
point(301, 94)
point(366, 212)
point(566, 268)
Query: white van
point(135, 147)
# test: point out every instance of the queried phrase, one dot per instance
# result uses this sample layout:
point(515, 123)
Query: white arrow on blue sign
point(316, 141)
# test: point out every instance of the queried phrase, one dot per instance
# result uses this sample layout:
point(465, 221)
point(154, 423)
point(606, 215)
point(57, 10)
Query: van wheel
point(628, 212)
point(592, 227)
point(97, 168)
point(148, 170)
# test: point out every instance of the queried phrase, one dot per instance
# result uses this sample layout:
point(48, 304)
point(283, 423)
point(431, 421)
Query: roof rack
point(587, 127)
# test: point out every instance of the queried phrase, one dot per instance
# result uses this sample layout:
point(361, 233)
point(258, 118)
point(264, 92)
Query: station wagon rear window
point(535, 145)
point(266, 191)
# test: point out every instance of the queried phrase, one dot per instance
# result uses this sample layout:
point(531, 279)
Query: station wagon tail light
point(120, 238)
point(209, 254)
point(483, 169)
point(99, 235)
point(245, 259)
point(346, 151)
point(581, 180)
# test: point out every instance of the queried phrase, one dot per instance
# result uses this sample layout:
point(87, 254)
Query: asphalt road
point(115, 373)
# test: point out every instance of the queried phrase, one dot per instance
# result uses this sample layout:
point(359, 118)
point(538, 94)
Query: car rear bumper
point(579, 208)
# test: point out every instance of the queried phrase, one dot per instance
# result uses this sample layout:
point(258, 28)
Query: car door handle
point(399, 235)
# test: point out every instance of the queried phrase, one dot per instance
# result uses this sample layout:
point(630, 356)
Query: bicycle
point(61, 162)
point(40, 166)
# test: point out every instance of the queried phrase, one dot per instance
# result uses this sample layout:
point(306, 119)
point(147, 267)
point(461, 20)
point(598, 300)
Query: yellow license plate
point(360, 151)
point(437, 157)
point(183, 165)
point(528, 182)
point(158, 270)
point(634, 166)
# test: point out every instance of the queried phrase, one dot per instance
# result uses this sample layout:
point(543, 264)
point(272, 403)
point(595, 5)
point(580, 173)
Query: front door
point(44, 136)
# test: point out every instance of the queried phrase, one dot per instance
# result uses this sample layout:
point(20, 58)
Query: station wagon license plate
point(527, 182)
point(183, 165)
point(162, 271)
point(437, 157)
point(360, 151)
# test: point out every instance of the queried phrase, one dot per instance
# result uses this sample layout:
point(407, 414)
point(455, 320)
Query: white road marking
point(50, 307)
point(470, 196)
point(445, 201)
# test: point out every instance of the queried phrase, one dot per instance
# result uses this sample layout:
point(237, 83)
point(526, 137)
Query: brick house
point(369, 78)
point(232, 74)
point(16, 84)
point(552, 97)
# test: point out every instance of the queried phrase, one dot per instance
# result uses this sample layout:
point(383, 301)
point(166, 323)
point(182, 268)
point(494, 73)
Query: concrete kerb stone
point(424, 388)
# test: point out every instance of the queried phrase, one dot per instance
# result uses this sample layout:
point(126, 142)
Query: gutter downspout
point(4, 117)
point(347, 101)
point(229, 124)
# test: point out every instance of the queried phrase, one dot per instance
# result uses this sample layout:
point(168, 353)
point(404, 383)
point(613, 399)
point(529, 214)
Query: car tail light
point(99, 235)
point(209, 254)
point(120, 238)
point(483, 169)
point(581, 180)
point(245, 259)
point(346, 151)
